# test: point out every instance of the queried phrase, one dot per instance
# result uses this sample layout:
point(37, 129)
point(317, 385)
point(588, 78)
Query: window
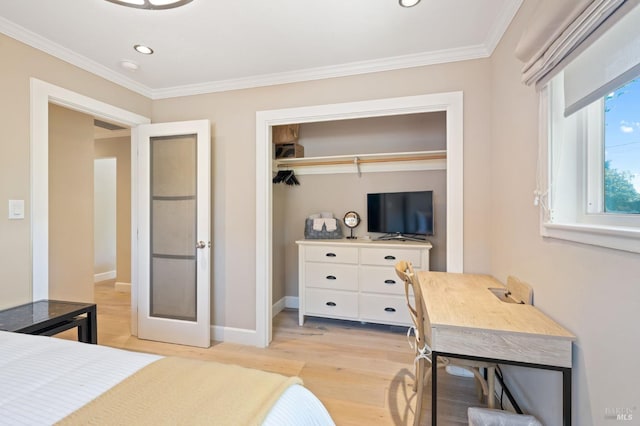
point(589, 160)
point(621, 165)
point(594, 168)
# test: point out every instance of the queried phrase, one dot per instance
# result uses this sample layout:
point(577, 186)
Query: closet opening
point(346, 151)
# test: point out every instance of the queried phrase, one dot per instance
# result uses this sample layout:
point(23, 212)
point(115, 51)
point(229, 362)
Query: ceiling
point(214, 45)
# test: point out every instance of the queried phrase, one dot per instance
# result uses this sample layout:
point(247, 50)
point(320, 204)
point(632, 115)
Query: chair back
point(405, 271)
point(520, 290)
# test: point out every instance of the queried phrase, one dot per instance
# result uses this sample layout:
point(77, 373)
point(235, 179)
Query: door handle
point(201, 245)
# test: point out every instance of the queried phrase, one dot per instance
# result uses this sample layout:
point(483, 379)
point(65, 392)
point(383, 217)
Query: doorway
point(41, 95)
point(113, 143)
point(89, 206)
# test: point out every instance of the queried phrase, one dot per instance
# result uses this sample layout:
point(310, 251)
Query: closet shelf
point(363, 163)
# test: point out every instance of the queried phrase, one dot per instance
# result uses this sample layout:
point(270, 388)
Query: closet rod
point(284, 163)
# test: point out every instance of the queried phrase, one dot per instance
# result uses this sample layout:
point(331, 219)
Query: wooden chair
point(519, 290)
point(422, 349)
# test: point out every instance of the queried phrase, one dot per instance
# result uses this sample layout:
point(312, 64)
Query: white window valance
point(561, 29)
point(608, 63)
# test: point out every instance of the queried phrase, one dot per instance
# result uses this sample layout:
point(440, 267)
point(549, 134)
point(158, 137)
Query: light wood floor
point(362, 373)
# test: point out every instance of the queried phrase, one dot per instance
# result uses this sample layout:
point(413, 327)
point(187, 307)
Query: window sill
point(615, 237)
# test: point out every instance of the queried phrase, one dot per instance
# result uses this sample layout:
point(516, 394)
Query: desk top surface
point(465, 301)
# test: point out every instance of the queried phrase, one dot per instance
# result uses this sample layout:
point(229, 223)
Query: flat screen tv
point(401, 215)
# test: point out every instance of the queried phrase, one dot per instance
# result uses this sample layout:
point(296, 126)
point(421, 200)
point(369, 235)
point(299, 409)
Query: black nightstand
point(49, 317)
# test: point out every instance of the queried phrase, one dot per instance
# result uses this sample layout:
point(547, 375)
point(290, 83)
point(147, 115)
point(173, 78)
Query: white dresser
point(356, 281)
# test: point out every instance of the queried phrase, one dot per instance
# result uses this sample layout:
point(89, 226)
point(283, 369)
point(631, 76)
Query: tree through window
point(622, 150)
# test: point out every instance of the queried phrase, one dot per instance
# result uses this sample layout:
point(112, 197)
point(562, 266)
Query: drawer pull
point(331, 277)
point(330, 255)
point(390, 309)
point(390, 257)
point(330, 303)
point(389, 281)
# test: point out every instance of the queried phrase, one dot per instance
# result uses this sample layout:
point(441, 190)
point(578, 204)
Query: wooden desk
point(466, 320)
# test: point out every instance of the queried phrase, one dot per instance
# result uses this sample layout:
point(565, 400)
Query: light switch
point(16, 209)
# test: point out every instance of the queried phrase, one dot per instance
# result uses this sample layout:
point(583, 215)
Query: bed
point(44, 380)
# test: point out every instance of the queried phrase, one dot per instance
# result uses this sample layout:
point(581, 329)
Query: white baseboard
point(122, 287)
point(244, 336)
point(290, 302)
point(103, 276)
point(241, 336)
point(277, 307)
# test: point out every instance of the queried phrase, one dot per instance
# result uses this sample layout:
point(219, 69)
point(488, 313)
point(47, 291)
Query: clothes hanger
point(286, 176)
point(291, 179)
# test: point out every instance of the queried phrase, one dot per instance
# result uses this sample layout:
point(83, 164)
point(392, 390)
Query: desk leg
point(83, 330)
point(92, 329)
point(434, 387)
point(566, 396)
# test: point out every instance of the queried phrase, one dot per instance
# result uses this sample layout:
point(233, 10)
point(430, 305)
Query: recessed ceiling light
point(141, 48)
point(151, 4)
point(408, 3)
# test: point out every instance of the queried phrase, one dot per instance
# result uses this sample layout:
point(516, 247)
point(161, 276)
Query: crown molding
point(41, 43)
point(333, 71)
point(501, 24)
point(343, 70)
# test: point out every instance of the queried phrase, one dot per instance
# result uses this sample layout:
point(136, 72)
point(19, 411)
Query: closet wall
point(399, 133)
point(342, 192)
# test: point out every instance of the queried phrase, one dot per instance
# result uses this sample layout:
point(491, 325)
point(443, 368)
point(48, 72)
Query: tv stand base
point(401, 237)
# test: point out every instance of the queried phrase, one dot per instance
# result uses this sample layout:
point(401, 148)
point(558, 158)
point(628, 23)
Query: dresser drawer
point(380, 279)
point(331, 254)
point(331, 303)
point(331, 276)
point(384, 309)
point(389, 256)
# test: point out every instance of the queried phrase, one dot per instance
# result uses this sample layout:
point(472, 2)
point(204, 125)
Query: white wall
point(592, 291)
point(104, 202)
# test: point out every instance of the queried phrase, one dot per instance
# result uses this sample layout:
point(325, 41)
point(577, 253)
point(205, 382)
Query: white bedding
point(44, 379)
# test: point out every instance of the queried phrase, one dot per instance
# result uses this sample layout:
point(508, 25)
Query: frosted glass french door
point(174, 232)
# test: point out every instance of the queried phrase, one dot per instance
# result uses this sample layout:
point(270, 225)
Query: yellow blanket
point(173, 391)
